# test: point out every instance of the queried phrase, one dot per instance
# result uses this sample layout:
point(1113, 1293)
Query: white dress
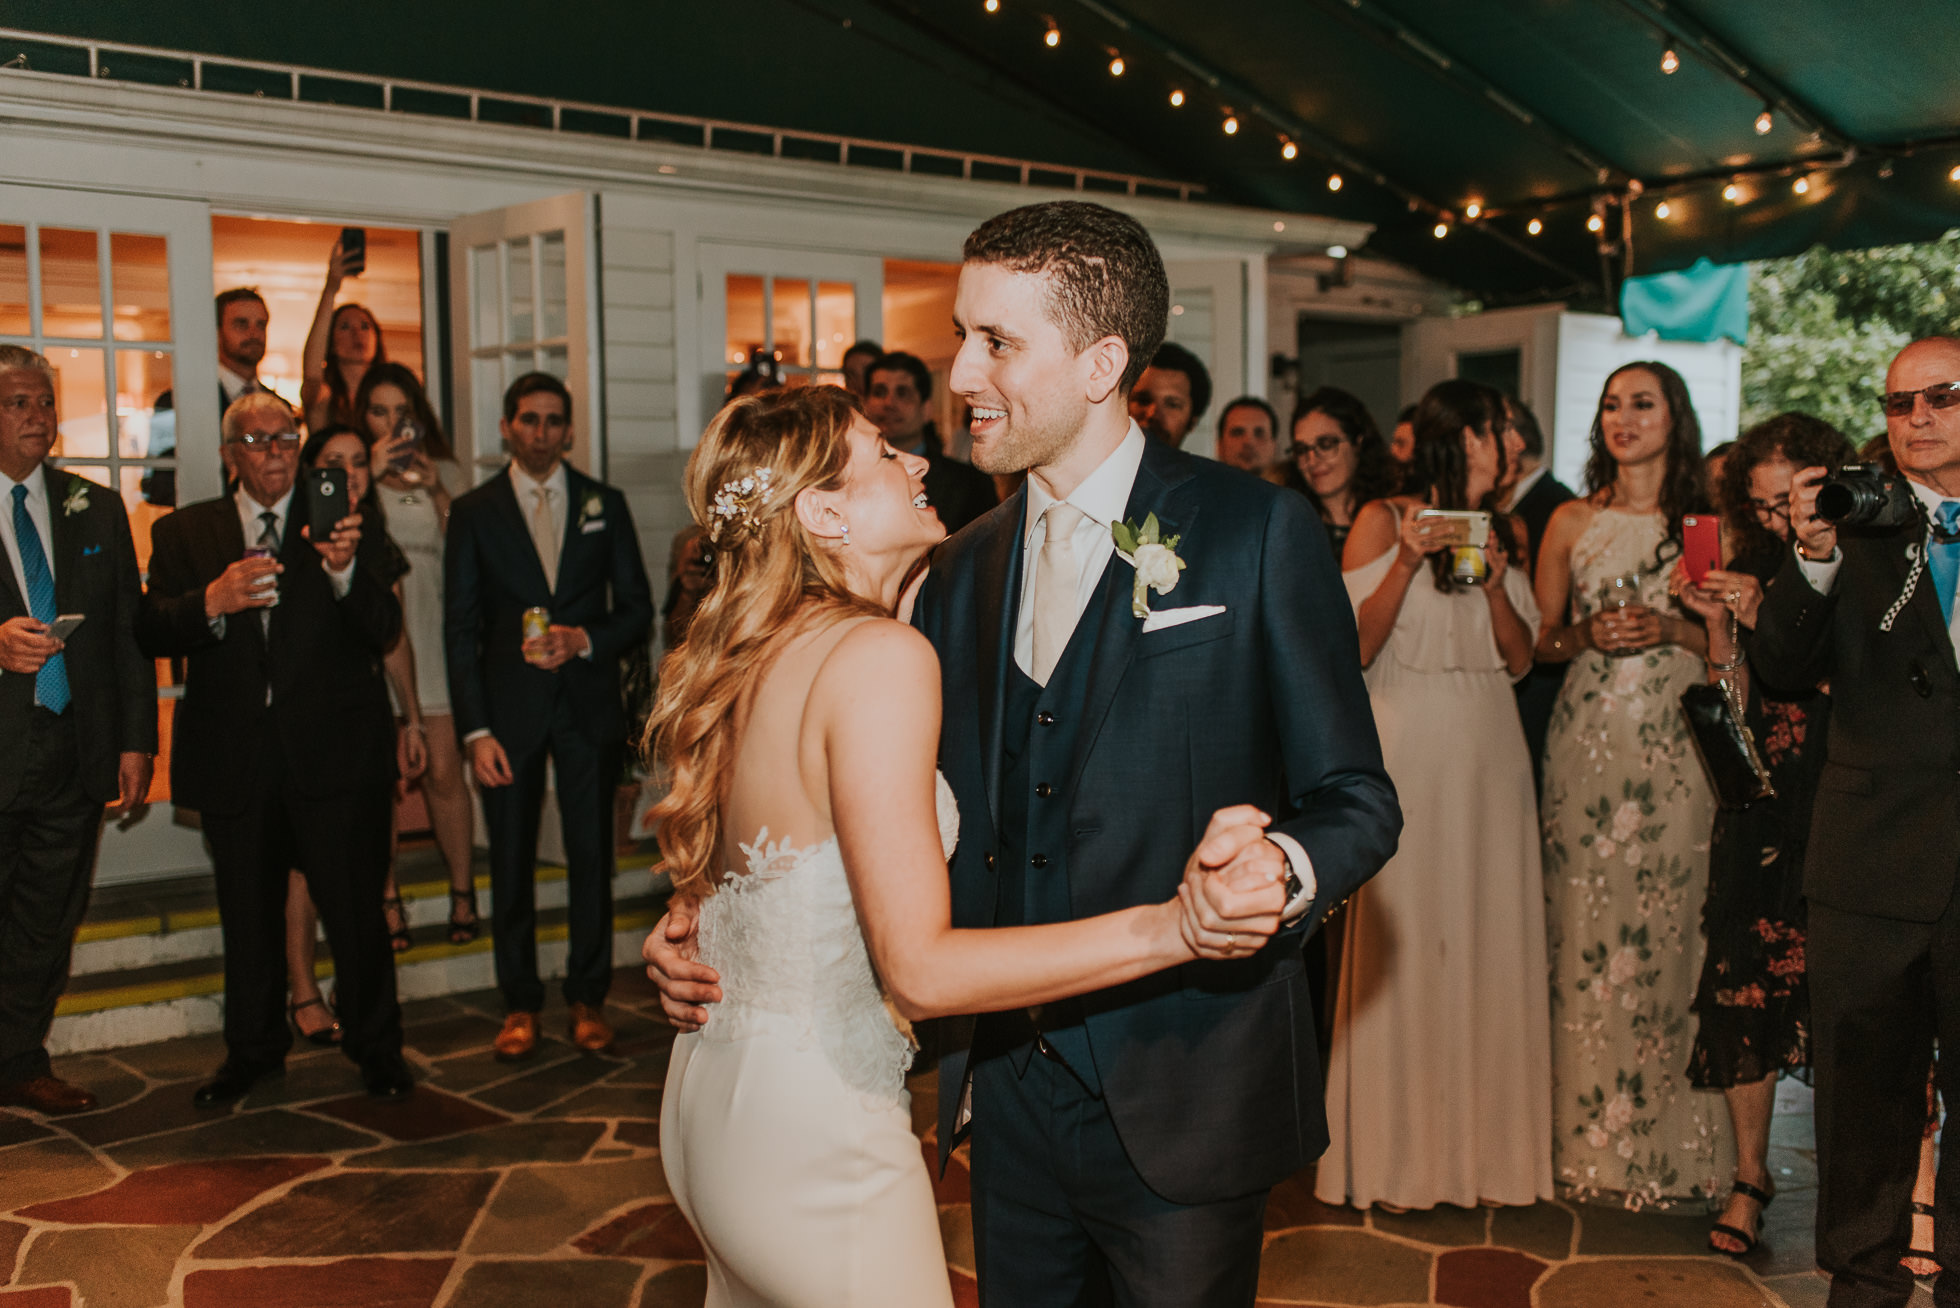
point(786, 1128)
point(417, 532)
point(1440, 1080)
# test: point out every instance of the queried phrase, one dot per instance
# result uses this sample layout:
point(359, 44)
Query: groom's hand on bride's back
point(1234, 886)
point(684, 984)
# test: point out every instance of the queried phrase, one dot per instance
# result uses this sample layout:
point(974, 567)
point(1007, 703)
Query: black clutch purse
point(1726, 745)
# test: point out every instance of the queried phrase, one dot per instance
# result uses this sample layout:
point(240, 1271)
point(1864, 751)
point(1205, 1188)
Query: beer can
point(1468, 566)
point(537, 622)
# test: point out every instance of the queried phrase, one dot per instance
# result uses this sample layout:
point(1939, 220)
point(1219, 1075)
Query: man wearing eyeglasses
point(1872, 611)
point(284, 740)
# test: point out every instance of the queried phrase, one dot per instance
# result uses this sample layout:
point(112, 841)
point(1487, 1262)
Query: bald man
point(1883, 862)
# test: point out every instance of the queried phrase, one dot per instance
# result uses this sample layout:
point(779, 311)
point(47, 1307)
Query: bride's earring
point(847, 535)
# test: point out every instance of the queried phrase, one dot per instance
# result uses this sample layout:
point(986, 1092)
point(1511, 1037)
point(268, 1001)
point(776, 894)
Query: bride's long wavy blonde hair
point(772, 580)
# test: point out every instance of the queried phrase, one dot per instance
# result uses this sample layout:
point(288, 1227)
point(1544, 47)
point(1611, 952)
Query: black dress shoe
point(232, 1082)
point(387, 1077)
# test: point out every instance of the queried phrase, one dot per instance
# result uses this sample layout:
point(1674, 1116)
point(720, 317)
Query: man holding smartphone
point(78, 710)
point(284, 740)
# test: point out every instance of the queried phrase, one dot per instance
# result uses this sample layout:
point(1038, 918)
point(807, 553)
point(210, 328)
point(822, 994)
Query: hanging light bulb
point(1231, 123)
point(1054, 36)
point(1595, 224)
point(1337, 252)
point(1473, 211)
point(1116, 64)
point(1662, 210)
point(1177, 98)
point(1442, 230)
point(1534, 227)
point(1288, 150)
point(1801, 186)
point(993, 6)
point(1764, 121)
point(1333, 181)
point(1954, 176)
point(1670, 61)
point(1732, 193)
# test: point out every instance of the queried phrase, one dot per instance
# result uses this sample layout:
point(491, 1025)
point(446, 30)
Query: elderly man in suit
point(79, 715)
point(284, 741)
point(543, 535)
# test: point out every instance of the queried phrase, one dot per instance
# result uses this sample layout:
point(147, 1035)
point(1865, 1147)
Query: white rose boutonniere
point(1152, 555)
point(592, 510)
point(77, 498)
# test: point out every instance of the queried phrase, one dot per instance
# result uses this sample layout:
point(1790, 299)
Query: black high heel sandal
point(1744, 1238)
point(1922, 1210)
point(392, 911)
point(462, 931)
point(327, 1036)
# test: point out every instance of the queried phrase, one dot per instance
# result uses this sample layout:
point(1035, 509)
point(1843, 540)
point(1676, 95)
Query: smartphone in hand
point(1701, 544)
point(326, 502)
point(353, 247)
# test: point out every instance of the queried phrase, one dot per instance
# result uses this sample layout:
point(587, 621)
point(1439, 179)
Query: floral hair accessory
point(740, 503)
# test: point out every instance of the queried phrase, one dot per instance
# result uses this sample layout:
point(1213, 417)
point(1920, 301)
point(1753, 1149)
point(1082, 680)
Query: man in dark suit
point(1532, 500)
point(242, 321)
point(897, 388)
point(1873, 611)
point(541, 534)
point(79, 717)
point(1124, 1141)
point(284, 741)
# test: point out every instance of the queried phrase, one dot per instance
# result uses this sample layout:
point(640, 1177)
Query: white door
point(116, 291)
point(795, 310)
point(1208, 317)
point(524, 297)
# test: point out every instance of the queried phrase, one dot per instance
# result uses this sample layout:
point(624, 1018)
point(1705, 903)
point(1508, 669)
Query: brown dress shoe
point(48, 1094)
point(518, 1039)
point(589, 1030)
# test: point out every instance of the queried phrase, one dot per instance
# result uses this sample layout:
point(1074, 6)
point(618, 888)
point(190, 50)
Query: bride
point(799, 724)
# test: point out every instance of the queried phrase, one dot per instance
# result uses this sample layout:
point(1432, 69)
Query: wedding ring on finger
point(1231, 943)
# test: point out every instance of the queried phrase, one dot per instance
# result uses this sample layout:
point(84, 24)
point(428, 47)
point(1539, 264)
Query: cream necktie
point(544, 534)
point(1056, 577)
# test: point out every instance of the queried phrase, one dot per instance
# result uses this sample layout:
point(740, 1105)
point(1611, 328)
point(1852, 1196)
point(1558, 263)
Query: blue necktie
point(1943, 558)
point(51, 683)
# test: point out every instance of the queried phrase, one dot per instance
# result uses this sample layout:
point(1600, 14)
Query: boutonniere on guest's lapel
point(77, 498)
point(591, 514)
point(1153, 556)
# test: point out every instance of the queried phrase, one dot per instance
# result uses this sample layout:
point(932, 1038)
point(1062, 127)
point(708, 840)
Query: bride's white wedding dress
point(785, 1127)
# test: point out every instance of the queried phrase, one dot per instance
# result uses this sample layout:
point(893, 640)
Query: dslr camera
point(1866, 495)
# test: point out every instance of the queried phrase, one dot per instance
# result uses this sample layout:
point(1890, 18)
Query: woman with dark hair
point(1439, 1078)
point(1753, 1004)
point(341, 346)
point(1626, 812)
point(414, 469)
point(1338, 459)
point(343, 448)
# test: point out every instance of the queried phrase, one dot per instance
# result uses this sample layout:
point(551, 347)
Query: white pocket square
point(1162, 618)
point(597, 524)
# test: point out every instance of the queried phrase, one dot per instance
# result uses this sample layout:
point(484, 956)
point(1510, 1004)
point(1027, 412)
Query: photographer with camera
point(1866, 600)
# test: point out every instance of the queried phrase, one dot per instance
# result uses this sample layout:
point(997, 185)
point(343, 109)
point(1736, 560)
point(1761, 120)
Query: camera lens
point(1838, 500)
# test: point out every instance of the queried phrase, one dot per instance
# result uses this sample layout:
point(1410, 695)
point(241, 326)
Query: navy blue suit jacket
point(1209, 1070)
point(492, 574)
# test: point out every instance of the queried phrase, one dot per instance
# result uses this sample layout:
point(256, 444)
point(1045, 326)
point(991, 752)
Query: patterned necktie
point(1943, 557)
point(1056, 576)
point(268, 540)
point(544, 534)
point(51, 682)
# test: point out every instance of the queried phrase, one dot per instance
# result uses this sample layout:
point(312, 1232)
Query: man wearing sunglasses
point(284, 741)
point(1873, 612)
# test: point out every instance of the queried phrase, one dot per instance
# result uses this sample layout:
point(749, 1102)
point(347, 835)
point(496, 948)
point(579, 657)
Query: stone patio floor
point(497, 1185)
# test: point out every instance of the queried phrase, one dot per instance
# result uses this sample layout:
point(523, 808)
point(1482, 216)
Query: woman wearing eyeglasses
point(1753, 1005)
point(1338, 459)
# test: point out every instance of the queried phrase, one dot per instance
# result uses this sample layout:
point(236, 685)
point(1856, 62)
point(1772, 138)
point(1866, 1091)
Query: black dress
point(1753, 1001)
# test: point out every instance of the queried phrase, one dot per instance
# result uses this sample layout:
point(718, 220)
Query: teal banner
point(1706, 301)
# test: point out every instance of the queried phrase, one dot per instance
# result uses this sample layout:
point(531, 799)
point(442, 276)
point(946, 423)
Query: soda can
point(270, 583)
point(1468, 566)
point(537, 622)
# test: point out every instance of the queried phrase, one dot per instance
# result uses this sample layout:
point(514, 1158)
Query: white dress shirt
point(234, 384)
point(1102, 498)
point(557, 493)
point(253, 526)
point(1523, 488)
point(1822, 574)
point(37, 513)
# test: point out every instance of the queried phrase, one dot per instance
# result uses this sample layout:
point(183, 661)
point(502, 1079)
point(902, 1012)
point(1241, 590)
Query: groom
point(1124, 1141)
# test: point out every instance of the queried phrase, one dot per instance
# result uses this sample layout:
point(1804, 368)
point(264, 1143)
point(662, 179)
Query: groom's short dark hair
point(1106, 274)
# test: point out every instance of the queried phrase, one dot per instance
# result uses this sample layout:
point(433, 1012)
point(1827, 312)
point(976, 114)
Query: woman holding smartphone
point(1626, 813)
point(1439, 1080)
point(413, 465)
point(341, 345)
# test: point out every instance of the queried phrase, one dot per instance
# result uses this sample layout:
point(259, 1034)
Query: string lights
point(1288, 150)
point(1595, 224)
point(1177, 97)
point(1442, 230)
point(1732, 193)
point(1801, 186)
point(993, 6)
point(1116, 64)
point(1231, 123)
point(1663, 210)
point(1534, 227)
point(1954, 176)
point(1670, 62)
point(1473, 211)
point(1053, 37)
point(1333, 181)
point(1764, 121)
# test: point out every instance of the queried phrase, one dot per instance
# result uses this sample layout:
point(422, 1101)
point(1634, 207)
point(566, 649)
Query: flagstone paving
point(496, 1184)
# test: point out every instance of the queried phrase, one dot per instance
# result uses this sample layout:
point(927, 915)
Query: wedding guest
point(1626, 811)
point(1712, 465)
point(78, 714)
point(1172, 394)
point(855, 361)
point(1339, 460)
point(1440, 1082)
point(1248, 438)
point(690, 571)
point(415, 472)
point(343, 343)
point(283, 741)
point(242, 320)
point(1402, 437)
point(897, 388)
point(1531, 500)
point(1752, 1002)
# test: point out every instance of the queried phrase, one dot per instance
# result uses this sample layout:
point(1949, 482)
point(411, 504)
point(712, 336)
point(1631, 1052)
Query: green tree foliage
point(1824, 324)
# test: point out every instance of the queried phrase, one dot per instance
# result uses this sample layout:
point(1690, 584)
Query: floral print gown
point(1627, 812)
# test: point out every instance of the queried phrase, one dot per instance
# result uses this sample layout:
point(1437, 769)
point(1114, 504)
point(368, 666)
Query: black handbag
point(1724, 741)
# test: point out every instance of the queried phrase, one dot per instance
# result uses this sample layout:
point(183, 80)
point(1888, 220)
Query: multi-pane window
point(520, 322)
point(800, 326)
